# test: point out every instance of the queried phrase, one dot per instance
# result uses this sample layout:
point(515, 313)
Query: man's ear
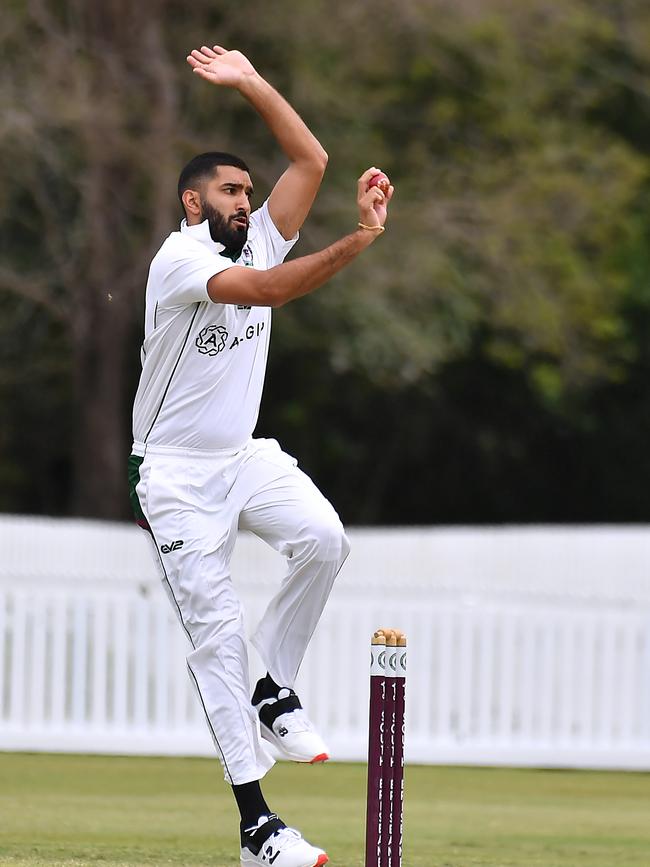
point(192, 202)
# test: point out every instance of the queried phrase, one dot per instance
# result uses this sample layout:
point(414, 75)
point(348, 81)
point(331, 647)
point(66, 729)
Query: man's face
point(226, 205)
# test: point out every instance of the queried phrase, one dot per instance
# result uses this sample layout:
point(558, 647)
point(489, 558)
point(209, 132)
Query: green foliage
point(517, 248)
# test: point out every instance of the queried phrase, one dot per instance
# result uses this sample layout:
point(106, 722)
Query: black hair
point(202, 167)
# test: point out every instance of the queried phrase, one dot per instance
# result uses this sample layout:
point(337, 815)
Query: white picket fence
point(526, 646)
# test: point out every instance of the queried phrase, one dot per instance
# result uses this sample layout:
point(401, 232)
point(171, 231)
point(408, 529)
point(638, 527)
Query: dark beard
point(223, 231)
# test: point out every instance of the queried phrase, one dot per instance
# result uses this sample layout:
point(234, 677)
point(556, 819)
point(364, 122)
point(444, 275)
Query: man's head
point(217, 187)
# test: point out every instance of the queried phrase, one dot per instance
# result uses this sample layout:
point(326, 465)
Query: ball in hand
point(380, 180)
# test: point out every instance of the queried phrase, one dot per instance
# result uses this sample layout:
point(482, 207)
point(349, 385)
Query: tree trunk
point(101, 446)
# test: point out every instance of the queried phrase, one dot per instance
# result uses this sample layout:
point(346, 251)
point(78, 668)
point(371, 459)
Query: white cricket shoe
point(284, 723)
point(272, 844)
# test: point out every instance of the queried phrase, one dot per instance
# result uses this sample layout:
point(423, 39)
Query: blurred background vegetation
point(487, 361)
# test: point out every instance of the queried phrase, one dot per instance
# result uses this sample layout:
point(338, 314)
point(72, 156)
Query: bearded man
point(196, 472)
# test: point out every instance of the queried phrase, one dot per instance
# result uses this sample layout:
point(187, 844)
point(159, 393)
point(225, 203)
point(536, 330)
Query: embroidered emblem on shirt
point(247, 256)
point(211, 339)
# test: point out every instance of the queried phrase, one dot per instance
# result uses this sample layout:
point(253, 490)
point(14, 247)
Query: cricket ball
point(380, 180)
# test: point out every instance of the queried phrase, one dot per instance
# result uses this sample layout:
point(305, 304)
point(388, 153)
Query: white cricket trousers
point(194, 503)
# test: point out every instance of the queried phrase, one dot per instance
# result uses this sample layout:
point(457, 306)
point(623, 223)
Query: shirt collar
point(201, 232)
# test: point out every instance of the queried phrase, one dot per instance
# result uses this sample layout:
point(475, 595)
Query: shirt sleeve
point(268, 246)
point(183, 278)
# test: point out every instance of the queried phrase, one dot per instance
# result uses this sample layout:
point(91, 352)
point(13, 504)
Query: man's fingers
point(194, 62)
point(201, 57)
point(371, 197)
point(365, 177)
point(374, 194)
point(208, 52)
point(219, 49)
point(204, 73)
point(363, 180)
point(373, 170)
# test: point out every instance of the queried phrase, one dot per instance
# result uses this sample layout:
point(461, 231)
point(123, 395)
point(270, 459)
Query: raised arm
point(294, 193)
point(292, 279)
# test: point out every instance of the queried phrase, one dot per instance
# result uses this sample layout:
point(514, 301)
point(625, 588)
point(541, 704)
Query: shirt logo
point(211, 339)
point(246, 257)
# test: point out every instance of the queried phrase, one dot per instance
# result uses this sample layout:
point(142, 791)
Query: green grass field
point(86, 810)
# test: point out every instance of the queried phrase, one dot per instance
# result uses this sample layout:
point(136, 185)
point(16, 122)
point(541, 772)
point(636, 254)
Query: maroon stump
point(376, 739)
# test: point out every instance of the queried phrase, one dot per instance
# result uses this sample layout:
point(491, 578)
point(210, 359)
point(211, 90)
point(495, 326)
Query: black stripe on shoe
point(258, 838)
point(270, 712)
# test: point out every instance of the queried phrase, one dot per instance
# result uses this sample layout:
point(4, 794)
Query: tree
point(514, 264)
point(88, 140)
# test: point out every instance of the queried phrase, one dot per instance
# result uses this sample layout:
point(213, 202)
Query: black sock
point(254, 838)
point(266, 688)
point(251, 803)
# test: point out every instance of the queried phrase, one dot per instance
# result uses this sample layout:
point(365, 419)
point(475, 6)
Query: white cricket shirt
point(203, 364)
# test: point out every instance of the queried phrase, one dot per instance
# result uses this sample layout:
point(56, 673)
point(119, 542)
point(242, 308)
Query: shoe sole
point(321, 757)
point(322, 859)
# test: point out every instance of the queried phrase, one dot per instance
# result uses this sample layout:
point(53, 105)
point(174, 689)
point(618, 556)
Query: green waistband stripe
point(134, 464)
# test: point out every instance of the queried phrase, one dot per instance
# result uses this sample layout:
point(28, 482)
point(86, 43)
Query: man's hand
point(373, 204)
point(227, 68)
point(294, 193)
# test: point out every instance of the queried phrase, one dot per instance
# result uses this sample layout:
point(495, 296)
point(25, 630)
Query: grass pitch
point(69, 811)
